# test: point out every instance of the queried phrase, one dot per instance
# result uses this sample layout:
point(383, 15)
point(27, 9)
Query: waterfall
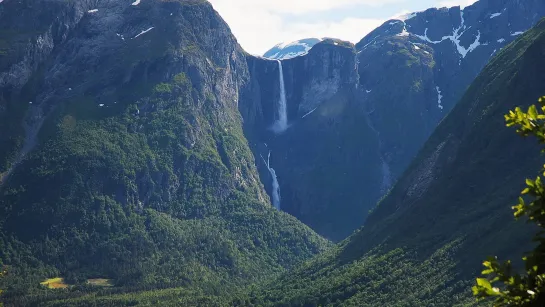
point(275, 185)
point(386, 171)
point(282, 123)
point(32, 124)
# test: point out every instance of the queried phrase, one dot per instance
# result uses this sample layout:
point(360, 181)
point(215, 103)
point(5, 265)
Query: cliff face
point(329, 150)
point(371, 107)
point(126, 139)
point(30, 32)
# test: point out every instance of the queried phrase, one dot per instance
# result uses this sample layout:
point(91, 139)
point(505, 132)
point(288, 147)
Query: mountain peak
point(288, 50)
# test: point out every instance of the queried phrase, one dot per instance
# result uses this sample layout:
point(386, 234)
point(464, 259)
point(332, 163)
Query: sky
point(260, 24)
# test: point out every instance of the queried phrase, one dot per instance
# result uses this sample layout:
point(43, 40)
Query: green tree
point(499, 280)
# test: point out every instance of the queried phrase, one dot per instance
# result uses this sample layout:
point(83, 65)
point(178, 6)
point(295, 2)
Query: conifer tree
point(500, 281)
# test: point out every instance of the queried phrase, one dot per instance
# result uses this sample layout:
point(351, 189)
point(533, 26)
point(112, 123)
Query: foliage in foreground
point(527, 289)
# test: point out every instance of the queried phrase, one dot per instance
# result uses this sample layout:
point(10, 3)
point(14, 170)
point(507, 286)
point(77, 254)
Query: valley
point(147, 159)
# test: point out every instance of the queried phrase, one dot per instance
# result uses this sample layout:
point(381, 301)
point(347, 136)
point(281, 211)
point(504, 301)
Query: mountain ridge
point(402, 78)
point(137, 169)
point(424, 242)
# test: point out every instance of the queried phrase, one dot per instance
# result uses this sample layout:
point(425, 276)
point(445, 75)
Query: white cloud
point(451, 3)
point(261, 24)
point(296, 6)
point(349, 29)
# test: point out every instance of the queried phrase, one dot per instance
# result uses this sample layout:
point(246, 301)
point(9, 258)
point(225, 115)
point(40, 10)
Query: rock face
point(409, 74)
point(418, 68)
point(30, 32)
point(286, 51)
point(325, 155)
point(123, 137)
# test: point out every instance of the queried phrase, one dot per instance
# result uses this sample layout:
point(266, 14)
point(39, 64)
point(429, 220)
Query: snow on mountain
point(494, 15)
point(290, 50)
point(475, 29)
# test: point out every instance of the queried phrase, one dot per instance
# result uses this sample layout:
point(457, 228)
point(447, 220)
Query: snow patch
point(292, 44)
point(404, 32)
point(309, 113)
point(137, 2)
point(281, 55)
point(474, 45)
point(495, 15)
point(455, 38)
point(439, 98)
point(406, 17)
point(368, 91)
point(416, 47)
point(501, 40)
point(517, 33)
point(92, 11)
point(369, 43)
point(143, 32)
point(288, 56)
point(120, 36)
point(427, 39)
point(101, 105)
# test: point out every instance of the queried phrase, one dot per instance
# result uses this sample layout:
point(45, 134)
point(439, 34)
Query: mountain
point(372, 107)
point(324, 156)
point(123, 155)
point(424, 243)
point(435, 55)
point(146, 159)
point(284, 51)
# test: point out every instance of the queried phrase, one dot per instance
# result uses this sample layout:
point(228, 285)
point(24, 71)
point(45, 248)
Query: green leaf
point(532, 111)
point(484, 283)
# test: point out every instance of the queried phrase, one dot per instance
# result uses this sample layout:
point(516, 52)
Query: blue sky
point(261, 24)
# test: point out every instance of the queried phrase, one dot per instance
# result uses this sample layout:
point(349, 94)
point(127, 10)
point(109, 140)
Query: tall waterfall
point(282, 123)
point(275, 185)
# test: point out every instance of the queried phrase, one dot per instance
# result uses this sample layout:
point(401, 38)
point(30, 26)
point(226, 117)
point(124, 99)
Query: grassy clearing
point(55, 283)
point(100, 282)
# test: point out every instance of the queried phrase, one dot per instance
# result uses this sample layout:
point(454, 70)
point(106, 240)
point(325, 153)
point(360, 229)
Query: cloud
point(349, 29)
point(296, 6)
point(451, 3)
point(260, 24)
